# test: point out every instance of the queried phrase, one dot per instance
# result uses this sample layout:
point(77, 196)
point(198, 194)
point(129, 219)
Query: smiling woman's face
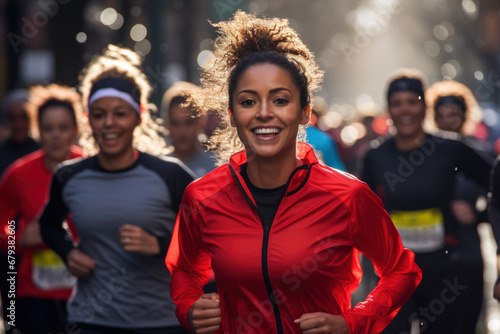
point(267, 112)
point(113, 122)
point(407, 112)
point(449, 117)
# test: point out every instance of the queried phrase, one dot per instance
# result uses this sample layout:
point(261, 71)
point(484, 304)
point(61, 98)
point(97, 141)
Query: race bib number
point(422, 230)
point(49, 271)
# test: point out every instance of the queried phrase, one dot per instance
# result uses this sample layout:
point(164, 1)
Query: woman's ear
point(305, 115)
point(231, 119)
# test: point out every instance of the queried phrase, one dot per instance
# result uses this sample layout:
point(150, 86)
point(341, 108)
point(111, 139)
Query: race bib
point(421, 230)
point(49, 271)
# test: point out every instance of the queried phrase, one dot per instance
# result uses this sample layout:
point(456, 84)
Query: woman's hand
point(135, 239)
point(31, 235)
point(204, 315)
point(79, 263)
point(322, 323)
point(463, 212)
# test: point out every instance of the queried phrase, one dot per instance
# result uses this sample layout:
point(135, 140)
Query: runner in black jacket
point(414, 173)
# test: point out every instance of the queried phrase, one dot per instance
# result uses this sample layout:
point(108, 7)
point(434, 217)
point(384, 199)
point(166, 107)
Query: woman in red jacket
point(281, 231)
point(43, 283)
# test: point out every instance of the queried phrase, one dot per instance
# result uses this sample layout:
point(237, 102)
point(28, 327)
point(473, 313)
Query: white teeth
point(110, 136)
point(265, 131)
point(405, 120)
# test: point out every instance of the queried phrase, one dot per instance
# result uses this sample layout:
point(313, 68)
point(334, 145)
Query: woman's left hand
point(135, 239)
point(322, 323)
point(31, 235)
point(463, 212)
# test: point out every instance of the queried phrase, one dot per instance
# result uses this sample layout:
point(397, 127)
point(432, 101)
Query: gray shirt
point(126, 289)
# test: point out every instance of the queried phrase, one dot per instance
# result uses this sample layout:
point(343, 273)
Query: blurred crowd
point(35, 128)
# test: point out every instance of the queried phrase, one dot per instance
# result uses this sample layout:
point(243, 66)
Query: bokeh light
point(448, 48)
point(440, 32)
point(331, 120)
point(490, 117)
point(108, 16)
point(138, 32)
point(349, 135)
point(448, 71)
point(81, 37)
point(203, 57)
point(379, 125)
point(479, 75)
point(481, 131)
point(347, 111)
point(432, 48)
point(497, 146)
point(360, 129)
point(469, 7)
point(494, 324)
point(143, 47)
point(118, 22)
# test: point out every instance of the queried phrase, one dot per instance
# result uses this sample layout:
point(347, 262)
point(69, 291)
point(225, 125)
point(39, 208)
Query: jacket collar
point(297, 179)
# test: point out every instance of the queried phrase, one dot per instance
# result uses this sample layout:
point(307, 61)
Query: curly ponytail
point(245, 41)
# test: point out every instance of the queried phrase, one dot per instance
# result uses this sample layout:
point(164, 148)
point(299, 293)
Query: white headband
point(113, 92)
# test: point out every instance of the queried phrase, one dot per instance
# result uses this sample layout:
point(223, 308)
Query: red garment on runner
point(24, 190)
point(325, 219)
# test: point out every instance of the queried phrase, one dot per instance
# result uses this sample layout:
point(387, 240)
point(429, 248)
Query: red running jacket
point(307, 262)
point(24, 190)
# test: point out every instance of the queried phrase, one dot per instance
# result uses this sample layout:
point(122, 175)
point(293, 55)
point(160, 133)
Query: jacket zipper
point(265, 244)
point(267, 281)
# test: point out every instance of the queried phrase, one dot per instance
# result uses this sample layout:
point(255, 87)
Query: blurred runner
point(123, 203)
point(19, 142)
point(452, 107)
point(185, 126)
point(43, 282)
point(281, 231)
point(414, 173)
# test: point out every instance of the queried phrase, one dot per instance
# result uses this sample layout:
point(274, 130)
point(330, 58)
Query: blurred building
point(51, 40)
point(357, 43)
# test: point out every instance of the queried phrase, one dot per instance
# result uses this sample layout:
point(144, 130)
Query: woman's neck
point(270, 173)
point(409, 143)
point(117, 162)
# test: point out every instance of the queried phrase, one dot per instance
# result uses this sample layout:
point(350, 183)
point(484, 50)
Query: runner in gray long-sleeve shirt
point(125, 288)
point(123, 203)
